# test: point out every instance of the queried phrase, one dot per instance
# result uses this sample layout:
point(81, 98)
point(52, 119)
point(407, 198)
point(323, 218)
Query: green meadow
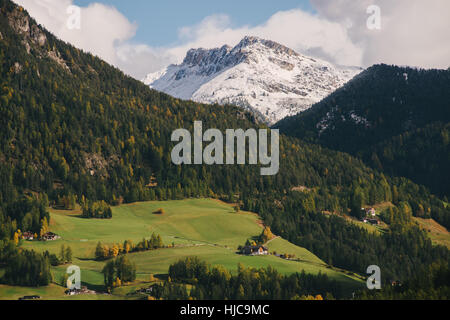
point(206, 228)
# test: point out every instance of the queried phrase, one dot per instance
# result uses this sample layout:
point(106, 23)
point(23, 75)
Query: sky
point(159, 21)
point(141, 36)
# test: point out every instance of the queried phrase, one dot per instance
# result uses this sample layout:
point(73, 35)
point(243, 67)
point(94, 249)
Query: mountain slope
point(422, 155)
point(385, 115)
point(270, 79)
point(74, 126)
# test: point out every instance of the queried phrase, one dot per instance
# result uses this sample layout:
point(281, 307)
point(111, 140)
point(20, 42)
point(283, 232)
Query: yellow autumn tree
point(115, 250)
point(127, 246)
point(44, 227)
point(16, 238)
point(266, 235)
point(105, 251)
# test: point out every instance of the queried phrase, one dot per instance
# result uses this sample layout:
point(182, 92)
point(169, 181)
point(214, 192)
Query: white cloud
point(414, 32)
point(104, 31)
point(296, 29)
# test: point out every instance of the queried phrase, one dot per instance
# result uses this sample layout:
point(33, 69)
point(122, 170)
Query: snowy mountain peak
point(261, 75)
point(206, 56)
point(251, 41)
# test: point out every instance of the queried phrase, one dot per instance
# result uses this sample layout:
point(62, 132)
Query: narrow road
point(265, 244)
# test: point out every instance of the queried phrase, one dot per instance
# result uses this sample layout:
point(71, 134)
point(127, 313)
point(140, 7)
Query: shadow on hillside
point(164, 277)
point(87, 259)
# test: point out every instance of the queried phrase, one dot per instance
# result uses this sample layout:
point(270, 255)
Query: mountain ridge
point(263, 76)
point(395, 118)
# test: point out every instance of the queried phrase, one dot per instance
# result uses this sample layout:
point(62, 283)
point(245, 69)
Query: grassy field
point(281, 246)
point(51, 292)
point(437, 233)
point(205, 228)
point(185, 222)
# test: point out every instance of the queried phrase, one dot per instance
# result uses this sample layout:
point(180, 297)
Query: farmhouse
point(370, 217)
point(396, 283)
point(28, 236)
point(50, 236)
point(83, 290)
point(30, 298)
point(255, 250)
point(148, 290)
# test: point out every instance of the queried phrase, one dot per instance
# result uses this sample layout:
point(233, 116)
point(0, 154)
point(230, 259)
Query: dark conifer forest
point(394, 118)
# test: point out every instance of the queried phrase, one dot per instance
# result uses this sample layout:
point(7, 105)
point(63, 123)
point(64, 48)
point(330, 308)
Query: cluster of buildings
point(49, 236)
point(148, 290)
point(371, 217)
point(83, 290)
point(30, 298)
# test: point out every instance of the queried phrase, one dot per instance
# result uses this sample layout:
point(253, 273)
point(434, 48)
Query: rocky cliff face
point(261, 75)
point(20, 22)
point(34, 38)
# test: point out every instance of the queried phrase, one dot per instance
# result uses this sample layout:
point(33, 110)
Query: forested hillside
point(394, 118)
point(74, 127)
point(423, 155)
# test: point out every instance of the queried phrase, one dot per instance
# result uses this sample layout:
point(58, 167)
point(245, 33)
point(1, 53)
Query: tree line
point(217, 283)
point(96, 210)
point(104, 252)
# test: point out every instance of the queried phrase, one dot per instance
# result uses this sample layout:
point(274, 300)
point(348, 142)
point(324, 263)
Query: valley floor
point(204, 228)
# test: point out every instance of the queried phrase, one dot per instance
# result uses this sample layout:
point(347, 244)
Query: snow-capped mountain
point(261, 75)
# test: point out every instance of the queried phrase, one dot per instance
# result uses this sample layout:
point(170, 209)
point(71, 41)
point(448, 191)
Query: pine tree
point(69, 254)
point(99, 251)
point(62, 254)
